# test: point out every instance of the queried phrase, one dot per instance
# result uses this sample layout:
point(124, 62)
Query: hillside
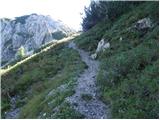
point(35, 79)
point(128, 76)
point(109, 71)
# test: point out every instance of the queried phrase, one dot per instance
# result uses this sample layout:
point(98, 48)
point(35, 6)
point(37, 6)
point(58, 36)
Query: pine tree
point(20, 52)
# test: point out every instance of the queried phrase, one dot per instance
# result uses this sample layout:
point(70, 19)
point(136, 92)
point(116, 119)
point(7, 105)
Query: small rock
point(120, 39)
point(86, 110)
point(44, 114)
point(94, 56)
point(143, 24)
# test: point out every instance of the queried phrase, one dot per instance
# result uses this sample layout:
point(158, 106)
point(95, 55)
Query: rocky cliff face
point(30, 31)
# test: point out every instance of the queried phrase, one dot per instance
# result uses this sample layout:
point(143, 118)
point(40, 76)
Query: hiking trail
point(86, 87)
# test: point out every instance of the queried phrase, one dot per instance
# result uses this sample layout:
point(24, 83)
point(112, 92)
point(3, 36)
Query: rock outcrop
point(29, 31)
point(144, 23)
point(102, 46)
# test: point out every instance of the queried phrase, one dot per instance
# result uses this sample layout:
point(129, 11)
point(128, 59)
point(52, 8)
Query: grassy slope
point(128, 75)
point(35, 78)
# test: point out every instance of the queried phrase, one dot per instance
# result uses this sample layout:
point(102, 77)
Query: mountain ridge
point(29, 31)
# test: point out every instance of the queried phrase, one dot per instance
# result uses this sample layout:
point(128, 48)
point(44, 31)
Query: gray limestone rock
point(30, 31)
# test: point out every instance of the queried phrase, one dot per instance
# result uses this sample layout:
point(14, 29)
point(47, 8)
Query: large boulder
point(102, 46)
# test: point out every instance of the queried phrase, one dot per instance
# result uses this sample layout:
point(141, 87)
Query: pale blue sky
point(66, 10)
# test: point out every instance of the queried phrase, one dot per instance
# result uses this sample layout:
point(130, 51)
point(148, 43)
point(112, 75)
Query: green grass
point(128, 75)
point(35, 78)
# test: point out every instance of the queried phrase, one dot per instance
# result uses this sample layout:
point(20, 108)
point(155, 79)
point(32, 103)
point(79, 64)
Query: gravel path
point(86, 86)
point(14, 112)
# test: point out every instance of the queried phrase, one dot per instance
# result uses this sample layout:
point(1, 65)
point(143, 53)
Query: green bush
point(58, 35)
point(20, 53)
